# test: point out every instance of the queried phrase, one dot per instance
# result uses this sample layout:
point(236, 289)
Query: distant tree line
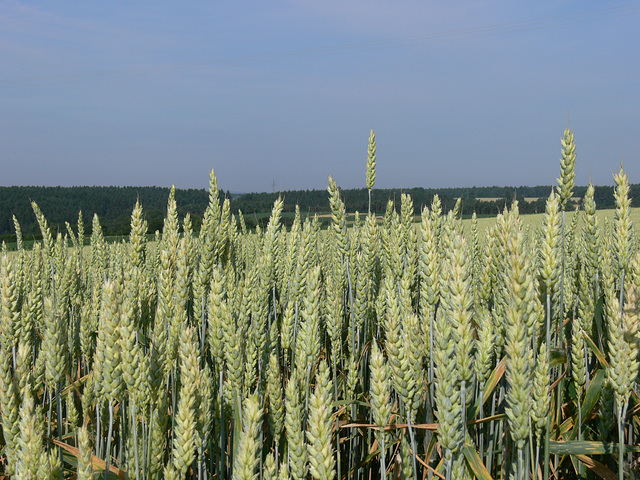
point(474, 199)
point(113, 205)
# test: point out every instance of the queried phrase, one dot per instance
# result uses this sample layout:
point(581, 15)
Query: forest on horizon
point(114, 205)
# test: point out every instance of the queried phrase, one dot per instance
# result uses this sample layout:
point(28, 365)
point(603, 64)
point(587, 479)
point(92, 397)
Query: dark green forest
point(113, 205)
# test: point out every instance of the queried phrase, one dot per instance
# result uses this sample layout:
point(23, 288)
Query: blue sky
point(284, 93)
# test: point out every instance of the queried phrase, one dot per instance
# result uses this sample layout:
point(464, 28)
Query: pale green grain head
point(622, 225)
point(294, 417)
point(247, 459)
point(320, 426)
point(566, 181)
point(371, 160)
point(85, 467)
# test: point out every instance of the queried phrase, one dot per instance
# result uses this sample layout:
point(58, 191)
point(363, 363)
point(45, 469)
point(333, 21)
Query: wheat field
point(503, 348)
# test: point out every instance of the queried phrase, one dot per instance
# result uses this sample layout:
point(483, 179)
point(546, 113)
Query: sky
point(279, 94)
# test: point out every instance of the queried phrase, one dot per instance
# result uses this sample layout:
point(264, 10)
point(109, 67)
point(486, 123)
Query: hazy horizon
point(279, 95)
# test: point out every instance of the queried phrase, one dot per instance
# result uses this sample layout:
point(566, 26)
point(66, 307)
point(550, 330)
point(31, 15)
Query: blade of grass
point(98, 463)
point(419, 426)
point(475, 463)
point(591, 398)
point(596, 467)
point(596, 351)
point(586, 447)
point(490, 386)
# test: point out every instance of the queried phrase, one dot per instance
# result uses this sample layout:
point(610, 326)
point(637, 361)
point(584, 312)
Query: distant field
point(489, 199)
point(527, 199)
point(535, 220)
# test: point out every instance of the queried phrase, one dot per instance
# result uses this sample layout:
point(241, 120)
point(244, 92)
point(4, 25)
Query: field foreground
point(497, 348)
